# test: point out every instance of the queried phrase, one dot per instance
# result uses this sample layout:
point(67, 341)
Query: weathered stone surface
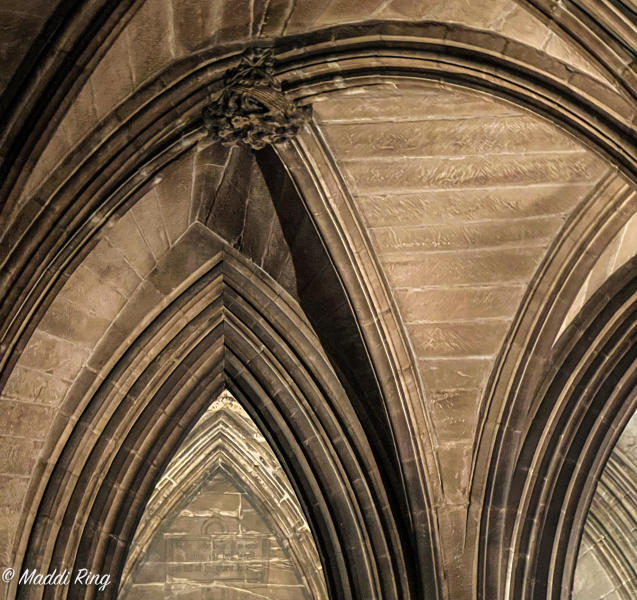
point(462, 268)
point(34, 386)
point(94, 295)
point(455, 463)
point(452, 524)
point(257, 237)
point(457, 304)
point(149, 221)
point(151, 39)
point(432, 137)
point(502, 16)
point(210, 164)
point(455, 413)
point(455, 373)
point(109, 264)
point(556, 46)
point(21, 456)
point(346, 10)
point(474, 338)
point(60, 145)
point(13, 491)
point(488, 204)
point(515, 22)
point(299, 15)
point(410, 174)
point(53, 355)
point(592, 582)
point(25, 420)
point(225, 215)
point(194, 23)
point(235, 26)
point(80, 118)
point(461, 196)
point(71, 322)
point(192, 251)
point(422, 238)
point(619, 250)
point(86, 288)
point(381, 106)
point(19, 25)
point(135, 313)
point(112, 81)
point(125, 236)
point(175, 196)
point(163, 30)
point(482, 12)
point(627, 248)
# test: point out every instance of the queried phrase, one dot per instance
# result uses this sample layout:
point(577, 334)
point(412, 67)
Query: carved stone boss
point(251, 108)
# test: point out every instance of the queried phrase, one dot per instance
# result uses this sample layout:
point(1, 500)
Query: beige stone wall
point(217, 544)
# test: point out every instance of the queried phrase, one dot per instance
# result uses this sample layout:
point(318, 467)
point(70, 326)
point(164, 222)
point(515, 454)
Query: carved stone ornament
point(251, 108)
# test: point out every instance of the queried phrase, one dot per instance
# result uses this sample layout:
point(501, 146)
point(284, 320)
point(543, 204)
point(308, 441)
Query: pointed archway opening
point(223, 519)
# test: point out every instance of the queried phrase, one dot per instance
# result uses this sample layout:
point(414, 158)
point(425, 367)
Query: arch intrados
point(222, 449)
point(99, 400)
point(585, 402)
point(149, 444)
point(605, 517)
point(593, 408)
point(523, 360)
point(134, 502)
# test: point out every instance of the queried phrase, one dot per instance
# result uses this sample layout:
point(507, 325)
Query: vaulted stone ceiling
point(162, 32)
point(423, 231)
point(193, 23)
point(461, 195)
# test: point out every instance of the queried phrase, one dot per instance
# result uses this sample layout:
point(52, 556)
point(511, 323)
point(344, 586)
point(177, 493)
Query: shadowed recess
point(255, 206)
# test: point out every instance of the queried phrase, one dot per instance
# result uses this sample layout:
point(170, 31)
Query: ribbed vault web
point(223, 520)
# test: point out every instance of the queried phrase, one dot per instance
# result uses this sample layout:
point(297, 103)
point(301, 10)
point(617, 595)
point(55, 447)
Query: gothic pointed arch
point(606, 554)
point(225, 441)
point(579, 409)
point(91, 518)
